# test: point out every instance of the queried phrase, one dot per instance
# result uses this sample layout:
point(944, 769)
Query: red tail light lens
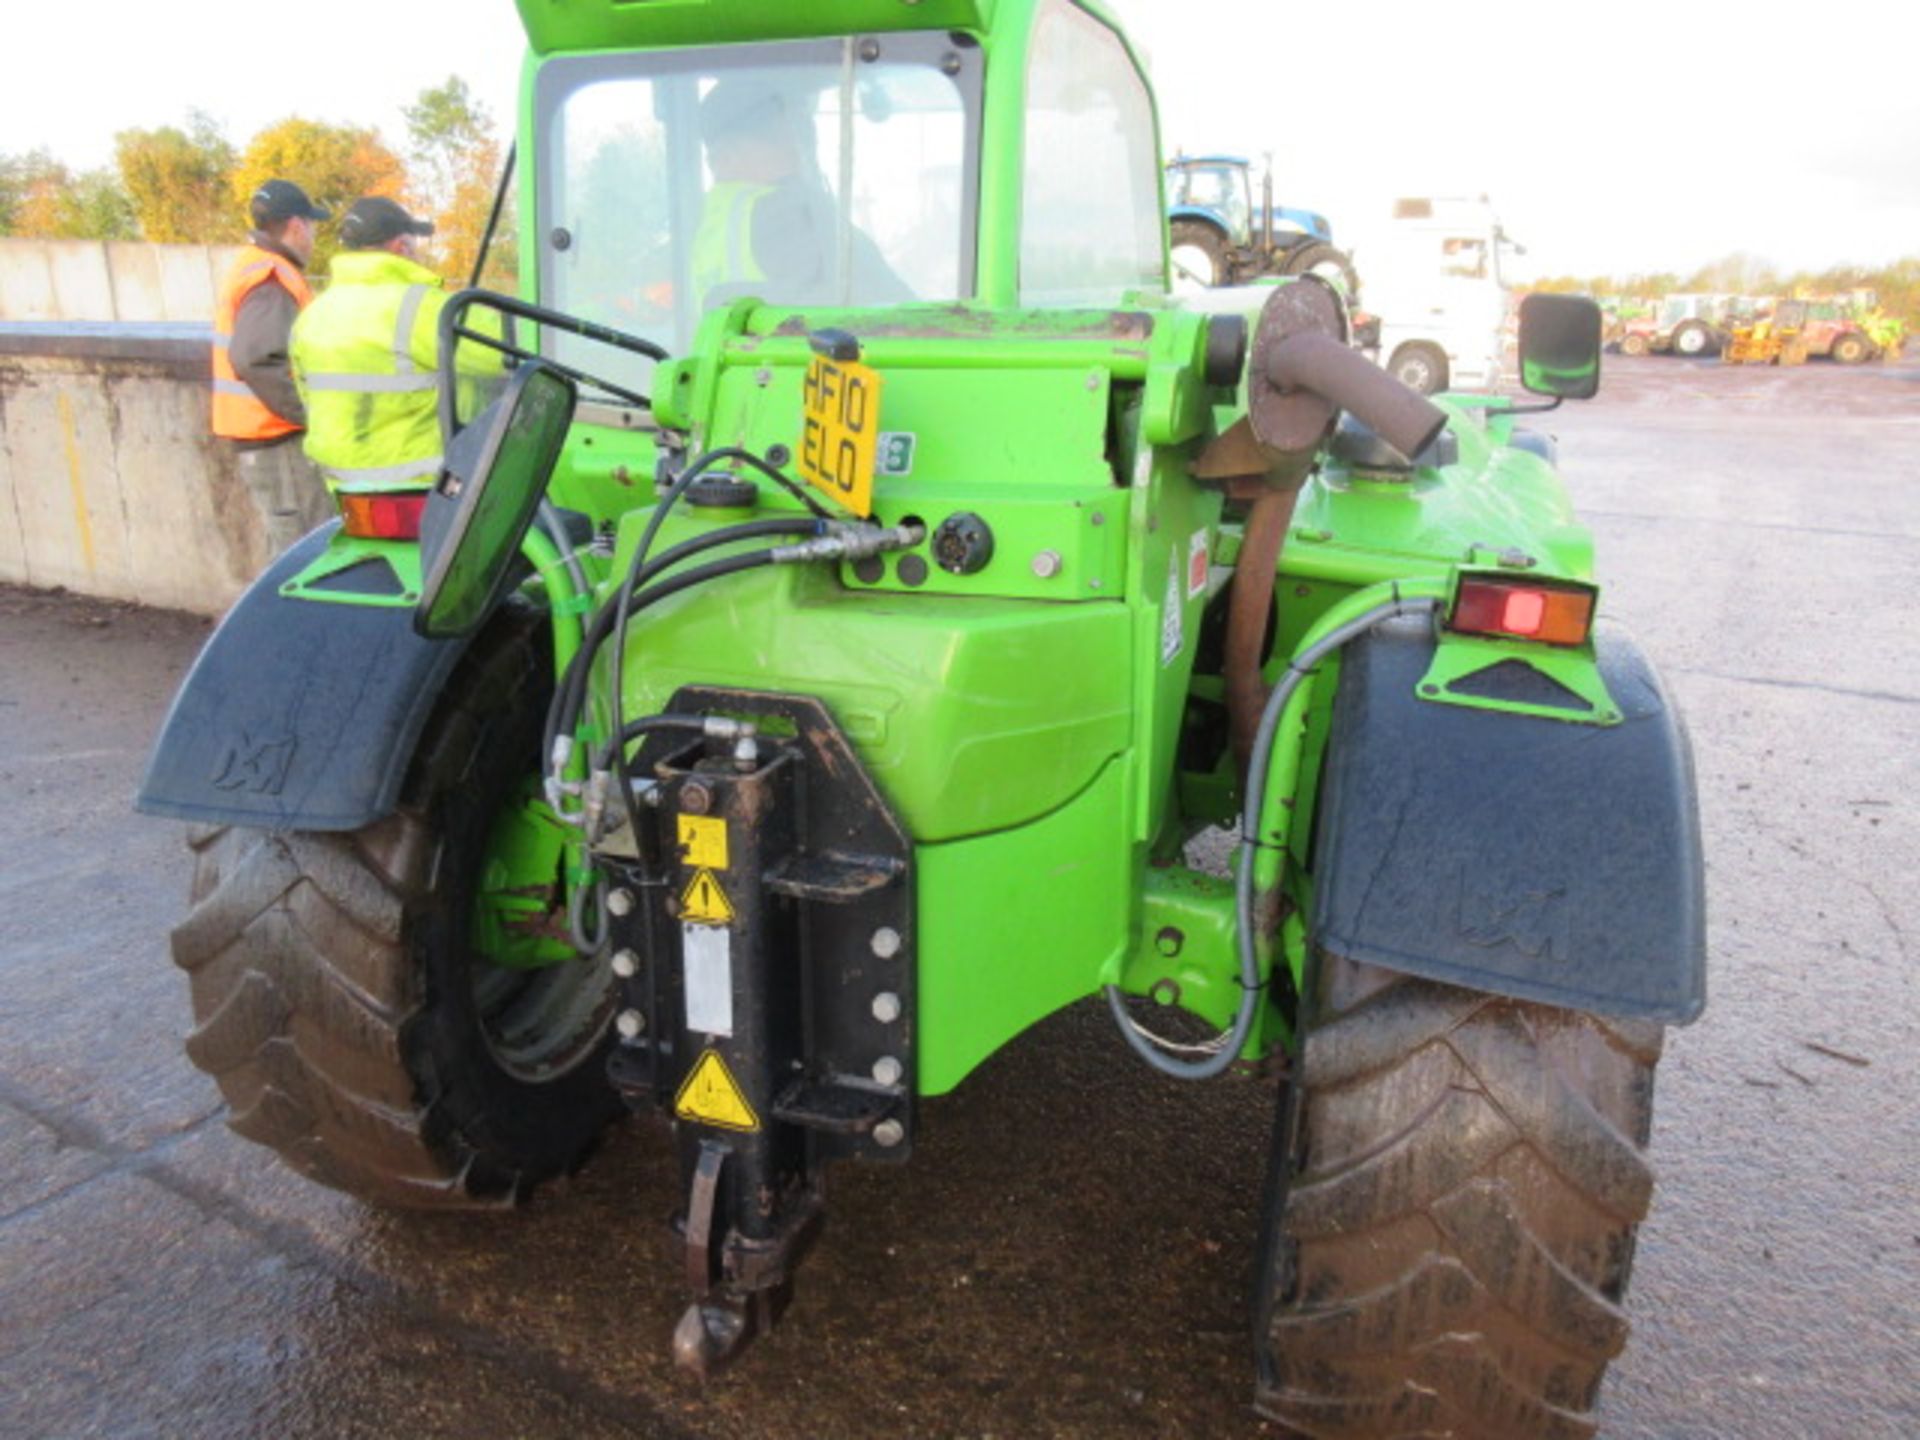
point(367, 516)
point(1521, 610)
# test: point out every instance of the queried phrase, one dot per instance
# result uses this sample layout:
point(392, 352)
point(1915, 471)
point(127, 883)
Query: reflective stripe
point(373, 384)
point(374, 476)
point(233, 387)
point(403, 329)
point(739, 210)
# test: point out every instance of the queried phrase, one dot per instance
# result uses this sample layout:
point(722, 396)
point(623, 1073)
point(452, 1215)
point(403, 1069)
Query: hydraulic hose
point(1245, 923)
point(568, 696)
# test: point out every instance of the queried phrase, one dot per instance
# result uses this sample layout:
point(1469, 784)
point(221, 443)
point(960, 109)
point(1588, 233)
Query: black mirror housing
point(1560, 346)
point(496, 473)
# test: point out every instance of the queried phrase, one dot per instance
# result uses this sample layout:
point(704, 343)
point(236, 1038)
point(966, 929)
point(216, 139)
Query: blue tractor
point(1219, 236)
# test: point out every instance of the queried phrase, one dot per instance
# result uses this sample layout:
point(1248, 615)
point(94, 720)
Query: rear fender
point(297, 715)
point(1511, 853)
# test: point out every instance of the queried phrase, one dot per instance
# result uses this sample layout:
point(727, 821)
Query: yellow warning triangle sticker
point(711, 1096)
point(704, 902)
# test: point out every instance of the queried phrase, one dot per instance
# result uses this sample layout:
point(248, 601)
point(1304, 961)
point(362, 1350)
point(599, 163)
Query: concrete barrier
point(48, 280)
point(110, 484)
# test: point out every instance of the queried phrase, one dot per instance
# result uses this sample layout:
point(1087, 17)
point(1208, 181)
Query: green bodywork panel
point(520, 902)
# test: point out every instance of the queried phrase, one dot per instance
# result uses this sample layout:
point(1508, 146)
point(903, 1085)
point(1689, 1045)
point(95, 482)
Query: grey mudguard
point(297, 715)
point(1528, 857)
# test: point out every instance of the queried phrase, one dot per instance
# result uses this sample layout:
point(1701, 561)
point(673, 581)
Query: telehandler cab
point(810, 667)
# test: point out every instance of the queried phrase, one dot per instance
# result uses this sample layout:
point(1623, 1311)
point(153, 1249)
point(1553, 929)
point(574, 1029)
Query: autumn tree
point(335, 164)
point(180, 181)
point(41, 199)
point(456, 168)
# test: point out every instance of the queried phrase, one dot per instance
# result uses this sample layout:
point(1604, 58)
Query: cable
point(1224, 1048)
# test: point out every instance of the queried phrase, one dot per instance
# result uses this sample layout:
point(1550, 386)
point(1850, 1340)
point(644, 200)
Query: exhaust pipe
point(1301, 375)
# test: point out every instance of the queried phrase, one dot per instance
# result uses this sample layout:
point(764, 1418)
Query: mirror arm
point(1536, 407)
point(493, 217)
point(451, 328)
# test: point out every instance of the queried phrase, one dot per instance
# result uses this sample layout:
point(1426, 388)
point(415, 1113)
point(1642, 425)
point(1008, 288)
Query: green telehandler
point(825, 652)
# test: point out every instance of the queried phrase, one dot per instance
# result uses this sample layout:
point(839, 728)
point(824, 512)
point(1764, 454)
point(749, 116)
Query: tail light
point(370, 516)
point(1522, 610)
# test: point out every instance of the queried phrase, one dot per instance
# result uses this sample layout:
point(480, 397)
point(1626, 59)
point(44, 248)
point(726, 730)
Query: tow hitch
point(762, 929)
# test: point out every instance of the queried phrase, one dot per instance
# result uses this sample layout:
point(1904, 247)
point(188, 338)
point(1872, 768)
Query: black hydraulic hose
point(569, 696)
point(684, 482)
point(566, 698)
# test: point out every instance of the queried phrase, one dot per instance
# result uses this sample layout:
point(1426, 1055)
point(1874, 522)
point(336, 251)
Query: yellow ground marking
point(81, 519)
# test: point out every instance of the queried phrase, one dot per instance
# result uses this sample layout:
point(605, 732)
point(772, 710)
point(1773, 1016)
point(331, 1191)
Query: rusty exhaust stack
point(1302, 373)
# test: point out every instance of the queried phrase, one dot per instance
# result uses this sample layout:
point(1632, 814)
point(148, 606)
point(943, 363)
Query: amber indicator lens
point(383, 517)
point(1524, 612)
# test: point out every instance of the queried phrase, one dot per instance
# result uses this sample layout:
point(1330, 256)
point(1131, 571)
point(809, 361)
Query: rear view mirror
point(1560, 346)
point(496, 472)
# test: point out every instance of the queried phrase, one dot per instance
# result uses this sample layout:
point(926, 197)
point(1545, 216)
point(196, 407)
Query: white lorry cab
point(1431, 283)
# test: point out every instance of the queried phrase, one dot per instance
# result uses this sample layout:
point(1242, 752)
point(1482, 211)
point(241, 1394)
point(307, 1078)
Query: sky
point(1623, 137)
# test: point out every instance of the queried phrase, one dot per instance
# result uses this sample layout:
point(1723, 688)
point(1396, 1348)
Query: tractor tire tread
point(326, 1099)
point(1460, 1178)
point(309, 1006)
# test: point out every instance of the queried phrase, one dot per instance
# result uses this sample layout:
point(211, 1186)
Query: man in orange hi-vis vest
point(256, 407)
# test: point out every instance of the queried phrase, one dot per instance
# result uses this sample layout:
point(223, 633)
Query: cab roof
point(554, 25)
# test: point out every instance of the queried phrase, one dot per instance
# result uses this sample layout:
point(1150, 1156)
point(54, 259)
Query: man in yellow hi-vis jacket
point(366, 356)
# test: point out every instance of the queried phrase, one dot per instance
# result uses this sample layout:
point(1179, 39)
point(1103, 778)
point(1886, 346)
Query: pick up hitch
point(763, 932)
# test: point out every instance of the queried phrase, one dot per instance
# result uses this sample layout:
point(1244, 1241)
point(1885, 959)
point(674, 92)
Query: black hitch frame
point(764, 936)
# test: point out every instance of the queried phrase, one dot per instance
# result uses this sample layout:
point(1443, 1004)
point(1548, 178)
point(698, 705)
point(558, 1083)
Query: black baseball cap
point(374, 220)
point(279, 200)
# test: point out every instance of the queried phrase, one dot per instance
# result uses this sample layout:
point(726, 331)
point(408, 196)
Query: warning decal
point(711, 1096)
point(1173, 621)
point(1197, 563)
point(703, 841)
point(704, 902)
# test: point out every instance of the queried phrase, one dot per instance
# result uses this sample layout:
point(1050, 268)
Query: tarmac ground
point(1070, 1252)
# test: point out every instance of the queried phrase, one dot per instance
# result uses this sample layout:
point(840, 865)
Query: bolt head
point(886, 1007)
point(630, 1024)
point(620, 902)
point(626, 964)
point(695, 798)
point(1046, 564)
point(887, 1070)
point(886, 942)
point(889, 1133)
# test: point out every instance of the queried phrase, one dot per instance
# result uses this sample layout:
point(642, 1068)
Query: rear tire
point(1198, 253)
point(339, 1006)
point(1852, 349)
point(1318, 258)
point(1457, 1180)
point(1421, 367)
point(1693, 340)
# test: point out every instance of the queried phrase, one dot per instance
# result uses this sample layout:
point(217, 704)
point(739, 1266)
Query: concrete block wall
point(110, 484)
point(43, 280)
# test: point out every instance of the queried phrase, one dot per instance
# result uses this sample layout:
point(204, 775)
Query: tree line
point(190, 184)
point(1742, 273)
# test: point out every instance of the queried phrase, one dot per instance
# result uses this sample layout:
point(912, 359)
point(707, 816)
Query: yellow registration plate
point(840, 411)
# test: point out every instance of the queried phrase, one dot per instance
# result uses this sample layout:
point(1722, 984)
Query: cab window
point(1091, 224)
